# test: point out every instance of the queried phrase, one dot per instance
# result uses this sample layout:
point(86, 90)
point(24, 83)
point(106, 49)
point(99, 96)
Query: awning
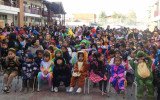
point(56, 7)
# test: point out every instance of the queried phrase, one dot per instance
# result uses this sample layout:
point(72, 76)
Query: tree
point(102, 18)
point(118, 18)
point(128, 19)
point(131, 18)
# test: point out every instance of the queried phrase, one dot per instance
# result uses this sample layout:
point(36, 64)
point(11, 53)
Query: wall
point(85, 17)
point(9, 19)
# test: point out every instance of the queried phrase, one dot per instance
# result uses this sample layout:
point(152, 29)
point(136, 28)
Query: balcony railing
point(11, 4)
point(28, 9)
point(44, 13)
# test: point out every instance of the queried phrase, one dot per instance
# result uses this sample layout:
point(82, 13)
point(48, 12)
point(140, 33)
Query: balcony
point(13, 4)
point(8, 7)
point(28, 9)
point(156, 13)
point(44, 13)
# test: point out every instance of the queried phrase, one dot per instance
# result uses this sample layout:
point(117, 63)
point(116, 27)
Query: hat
point(29, 55)
point(140, 54)
point(12, 50)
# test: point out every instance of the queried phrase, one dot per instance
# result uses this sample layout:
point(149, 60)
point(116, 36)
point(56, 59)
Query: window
point(16, 18)
point(25, 19)
point(24, 3)
point(3, 17)
point(38, 20)
point(32, 19)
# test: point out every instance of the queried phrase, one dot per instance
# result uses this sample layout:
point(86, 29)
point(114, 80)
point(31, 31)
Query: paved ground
point(46, 94)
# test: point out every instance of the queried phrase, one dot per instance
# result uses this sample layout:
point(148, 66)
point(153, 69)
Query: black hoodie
point(62, 70)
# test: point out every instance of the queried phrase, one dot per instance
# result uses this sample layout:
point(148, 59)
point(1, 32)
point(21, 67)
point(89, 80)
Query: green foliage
point(102, 18)
point(127, 19)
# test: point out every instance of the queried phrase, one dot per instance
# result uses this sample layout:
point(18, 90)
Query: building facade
point(25, 12)
point(155, 14)
point(89, 18)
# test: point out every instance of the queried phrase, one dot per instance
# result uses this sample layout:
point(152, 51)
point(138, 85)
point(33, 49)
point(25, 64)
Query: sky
point(109, 6)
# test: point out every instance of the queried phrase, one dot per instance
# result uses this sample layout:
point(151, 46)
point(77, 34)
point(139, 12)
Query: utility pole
point(41, 12)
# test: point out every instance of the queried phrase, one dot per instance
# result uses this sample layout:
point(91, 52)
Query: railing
point(28, 9)
point(9, 4)
point(44, 13)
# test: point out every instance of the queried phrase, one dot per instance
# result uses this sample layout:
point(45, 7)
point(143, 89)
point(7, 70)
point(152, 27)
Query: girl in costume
point(117, 75)
point(98, 71)
point(46, 69)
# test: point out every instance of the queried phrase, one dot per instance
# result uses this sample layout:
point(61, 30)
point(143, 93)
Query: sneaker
point(79, 90)
point(104, 92)
point(122, 92)
point(5, 88)
point(56, 89)
point(71, 89)
point(7, 91)
point(67, 89)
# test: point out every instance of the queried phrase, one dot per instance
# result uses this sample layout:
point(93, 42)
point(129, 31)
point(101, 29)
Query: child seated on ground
point(117, 75)
point(29, 69)
point(80, 71)
point(61, 73)
point(12, 68)
point(46, 69)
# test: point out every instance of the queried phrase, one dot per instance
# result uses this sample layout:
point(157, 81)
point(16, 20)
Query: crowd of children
point(70, 55)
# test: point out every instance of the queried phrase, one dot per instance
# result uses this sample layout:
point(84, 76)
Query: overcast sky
point(109, 6)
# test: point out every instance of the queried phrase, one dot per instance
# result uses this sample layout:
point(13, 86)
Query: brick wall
point(85, 17)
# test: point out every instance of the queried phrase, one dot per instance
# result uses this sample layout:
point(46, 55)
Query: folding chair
point(38, 89)
point(17, 78)
point(134, 84)
point(84, 89)
point(109, 86)
point(34, 81)
point(89, 86)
